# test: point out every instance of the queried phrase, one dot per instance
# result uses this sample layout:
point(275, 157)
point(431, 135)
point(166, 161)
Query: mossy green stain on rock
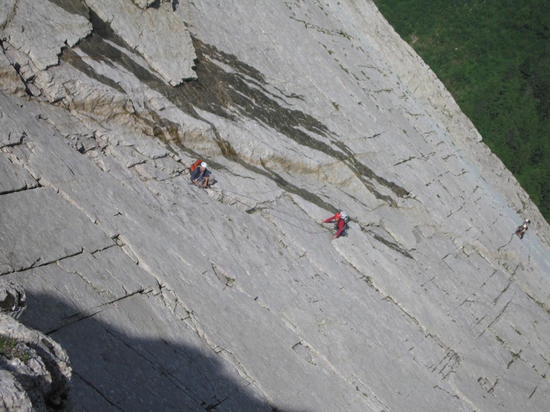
point(11, 348)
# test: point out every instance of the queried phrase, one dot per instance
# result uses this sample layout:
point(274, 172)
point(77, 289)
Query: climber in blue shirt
point(201, 175)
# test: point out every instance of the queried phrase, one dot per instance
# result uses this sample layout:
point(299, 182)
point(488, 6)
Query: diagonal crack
point(91, 312)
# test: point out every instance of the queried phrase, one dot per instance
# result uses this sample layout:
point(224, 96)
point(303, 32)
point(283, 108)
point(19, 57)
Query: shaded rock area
point(235, 298)
point(34, 370)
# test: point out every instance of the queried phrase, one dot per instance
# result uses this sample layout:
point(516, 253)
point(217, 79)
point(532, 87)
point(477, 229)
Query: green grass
point(494, 57)
point(10, 349)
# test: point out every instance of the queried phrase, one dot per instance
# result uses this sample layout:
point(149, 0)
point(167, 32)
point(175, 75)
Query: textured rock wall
point(34, 370)
point(169, 297)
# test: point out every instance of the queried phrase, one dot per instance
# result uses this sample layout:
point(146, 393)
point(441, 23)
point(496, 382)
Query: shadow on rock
point(113, 370)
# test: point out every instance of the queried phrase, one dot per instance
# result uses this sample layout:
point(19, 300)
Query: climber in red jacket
point(340, 220)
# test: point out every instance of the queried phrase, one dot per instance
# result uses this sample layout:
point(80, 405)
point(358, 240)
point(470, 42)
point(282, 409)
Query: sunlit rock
point(167, 296)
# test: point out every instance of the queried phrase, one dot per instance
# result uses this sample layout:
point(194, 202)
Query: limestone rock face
point(170, 297)
point(9, 79)
point(157, 34)
point(143, 3)
point(34, 370)
point(12, 299)
point(40, 29)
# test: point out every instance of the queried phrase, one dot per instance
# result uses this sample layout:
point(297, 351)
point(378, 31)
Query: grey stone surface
point(58, 229)
point(9, 78)
point(14, 398)
point(14, 178)
point(167, 296)
point(6, 11)
point(34, 370)
point(13, 299)
point(41, 29)
point(159, 35)
point(143, 3)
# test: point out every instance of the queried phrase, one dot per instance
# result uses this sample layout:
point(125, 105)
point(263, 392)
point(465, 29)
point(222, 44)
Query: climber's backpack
point(195, 165)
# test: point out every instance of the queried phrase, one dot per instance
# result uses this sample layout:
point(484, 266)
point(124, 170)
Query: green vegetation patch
point(494, 57)
point(10, 348)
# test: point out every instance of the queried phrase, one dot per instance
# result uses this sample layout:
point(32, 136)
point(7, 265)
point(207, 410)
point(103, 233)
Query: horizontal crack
point(23, 189)
point(35, 264)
